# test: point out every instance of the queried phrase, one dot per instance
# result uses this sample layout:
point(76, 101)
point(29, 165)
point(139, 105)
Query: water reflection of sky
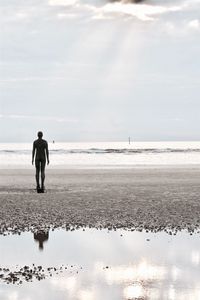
point(132, 266)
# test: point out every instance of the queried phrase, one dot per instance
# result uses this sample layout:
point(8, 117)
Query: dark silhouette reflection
point(41, 236)
point(40, 153)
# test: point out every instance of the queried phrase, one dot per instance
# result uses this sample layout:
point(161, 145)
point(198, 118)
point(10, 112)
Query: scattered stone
point(28, 274)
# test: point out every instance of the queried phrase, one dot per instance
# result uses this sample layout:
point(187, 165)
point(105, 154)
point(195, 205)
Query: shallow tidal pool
point(95, 264)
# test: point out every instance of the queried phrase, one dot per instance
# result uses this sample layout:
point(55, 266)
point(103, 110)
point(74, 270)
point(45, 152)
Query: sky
point(98, 70)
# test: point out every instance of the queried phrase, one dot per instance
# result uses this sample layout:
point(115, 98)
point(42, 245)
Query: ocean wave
point(126, 151)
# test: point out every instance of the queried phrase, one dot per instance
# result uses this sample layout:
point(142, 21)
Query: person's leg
point(43, 163)
point(37, 175)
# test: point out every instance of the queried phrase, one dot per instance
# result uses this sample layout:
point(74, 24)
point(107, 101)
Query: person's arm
point(47, 153)
point(33, 153)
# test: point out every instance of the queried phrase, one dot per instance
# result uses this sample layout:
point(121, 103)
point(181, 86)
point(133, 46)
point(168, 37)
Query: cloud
point(194, 24)
point(140, 9)
point(62, 2)
point(38, 118)
point(35, 78)
point(144, 12)
point(128, 1)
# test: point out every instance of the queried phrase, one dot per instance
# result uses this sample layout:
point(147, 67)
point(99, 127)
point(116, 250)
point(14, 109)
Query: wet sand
point(153, 199)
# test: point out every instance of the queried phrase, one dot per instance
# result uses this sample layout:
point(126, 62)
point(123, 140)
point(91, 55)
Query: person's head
point(40, 134)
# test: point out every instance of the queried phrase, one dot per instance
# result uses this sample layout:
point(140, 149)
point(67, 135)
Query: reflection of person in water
point(41, 154)
point(41, 237)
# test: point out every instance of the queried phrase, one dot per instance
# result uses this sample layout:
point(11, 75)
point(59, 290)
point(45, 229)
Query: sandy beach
point(153, 199)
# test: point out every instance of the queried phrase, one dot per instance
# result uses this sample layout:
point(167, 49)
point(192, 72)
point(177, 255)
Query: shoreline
point(151, 199)
point(83, 167)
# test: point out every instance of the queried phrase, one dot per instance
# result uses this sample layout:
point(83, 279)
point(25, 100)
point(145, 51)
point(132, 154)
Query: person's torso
point(40, 146)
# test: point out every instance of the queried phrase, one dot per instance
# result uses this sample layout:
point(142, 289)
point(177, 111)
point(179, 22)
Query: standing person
point(41, 154)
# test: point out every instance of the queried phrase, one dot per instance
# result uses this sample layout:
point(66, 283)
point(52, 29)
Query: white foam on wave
point(115, 154)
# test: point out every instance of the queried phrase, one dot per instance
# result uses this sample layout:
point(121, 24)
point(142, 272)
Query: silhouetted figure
point(41, 154)
point(41, 237)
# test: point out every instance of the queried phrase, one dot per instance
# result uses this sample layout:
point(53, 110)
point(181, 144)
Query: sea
point(104, 154)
